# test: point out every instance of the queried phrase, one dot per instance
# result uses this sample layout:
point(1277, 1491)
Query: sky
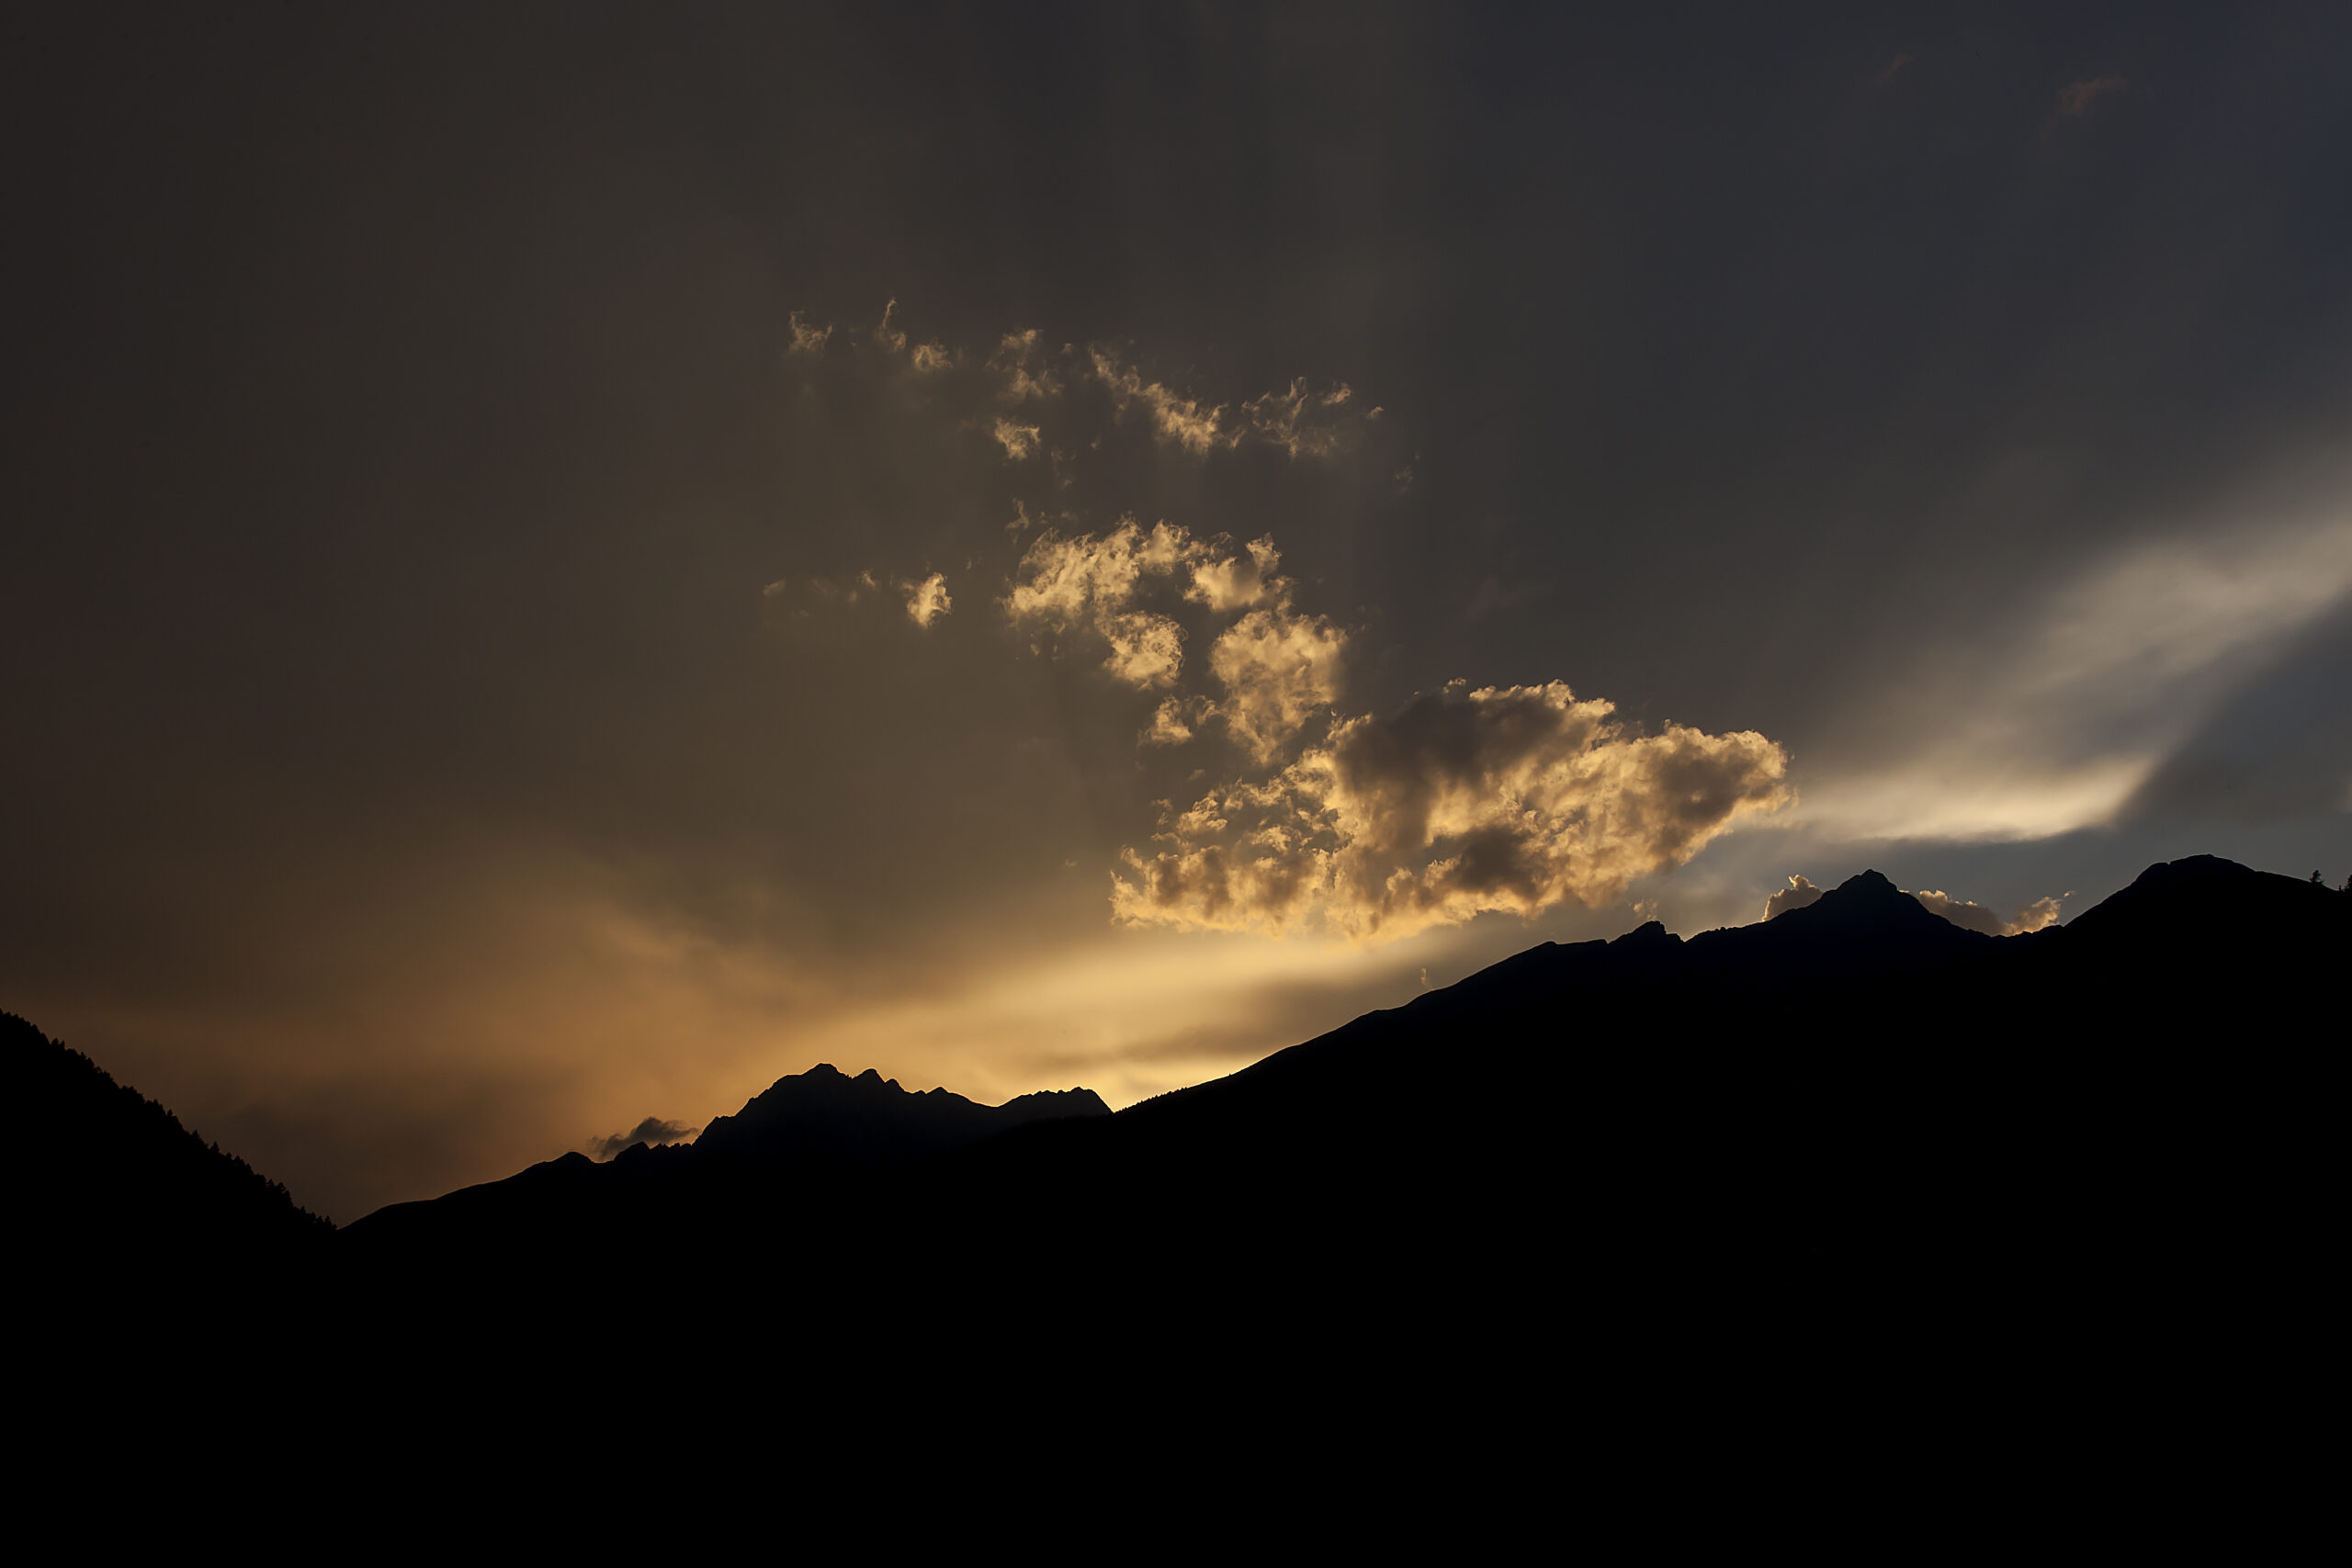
point(564, 562)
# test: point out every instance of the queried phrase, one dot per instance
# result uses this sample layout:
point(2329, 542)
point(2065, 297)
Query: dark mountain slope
point(1857, 1102)
point(104, 1176)
point(820, 1132)
point(1855, 1096)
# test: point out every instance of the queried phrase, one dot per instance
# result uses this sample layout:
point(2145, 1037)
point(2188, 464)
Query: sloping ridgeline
point(106, 1178)
point(1857, 1121)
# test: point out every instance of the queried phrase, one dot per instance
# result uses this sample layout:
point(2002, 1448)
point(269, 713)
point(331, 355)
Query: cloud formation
point(1795, 895)
point(653, 1130)
point(927, 600)
point(1088, 585)
point(1958, 912)
point(2077, 99)
point(1500, 798)
point(1280, 670)
point(807, 339)
point(1977, 918)
point(1277, 668)
point(1019, 441)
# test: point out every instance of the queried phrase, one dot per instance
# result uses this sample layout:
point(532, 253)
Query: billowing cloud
point(1277, 665)
point(653, 1130)
point(1235, 583)
point(1977, 918)
point(1795, 895)
point(1088, 583)
point(928, 600)
point(1502, 798)
point(1279, 669)
point(1177, 720)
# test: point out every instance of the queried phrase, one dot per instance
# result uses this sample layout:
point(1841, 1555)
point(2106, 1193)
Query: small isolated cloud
point(1977, 918)
point(653, 1130)
point(1795, 895)
point(773, 589)
point(807, 339)
point(1503, 798)
point(929, 358)
point(927, 600)
point(2077, 100)
point(1891, 70)
point(1019, 441)
point(887, 336)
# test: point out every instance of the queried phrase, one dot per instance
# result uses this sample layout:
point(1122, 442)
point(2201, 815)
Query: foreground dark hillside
point(1857, 1146)
point(106, 1177)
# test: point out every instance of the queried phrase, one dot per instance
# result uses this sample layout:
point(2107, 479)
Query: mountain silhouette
point(1855, 1094)
point(103, 1176)
point(820, 1128)
point(1770, 1164)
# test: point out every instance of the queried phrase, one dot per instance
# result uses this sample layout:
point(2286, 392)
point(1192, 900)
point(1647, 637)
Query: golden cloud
point(1502, 798)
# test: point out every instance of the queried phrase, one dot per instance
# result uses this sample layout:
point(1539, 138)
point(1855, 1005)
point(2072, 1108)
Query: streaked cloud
point(2057, 723)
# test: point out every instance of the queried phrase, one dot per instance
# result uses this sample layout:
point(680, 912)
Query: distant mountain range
point(1856, 1123)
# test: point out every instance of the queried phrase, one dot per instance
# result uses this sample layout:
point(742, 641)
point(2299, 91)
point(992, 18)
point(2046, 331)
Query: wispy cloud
point(2053, 725)
point(2078, 100)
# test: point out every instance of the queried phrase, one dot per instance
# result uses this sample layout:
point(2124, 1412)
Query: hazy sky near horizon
point(563, 562)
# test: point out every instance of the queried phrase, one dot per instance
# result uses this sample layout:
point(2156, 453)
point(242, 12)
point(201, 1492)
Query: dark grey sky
point(450, 721)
